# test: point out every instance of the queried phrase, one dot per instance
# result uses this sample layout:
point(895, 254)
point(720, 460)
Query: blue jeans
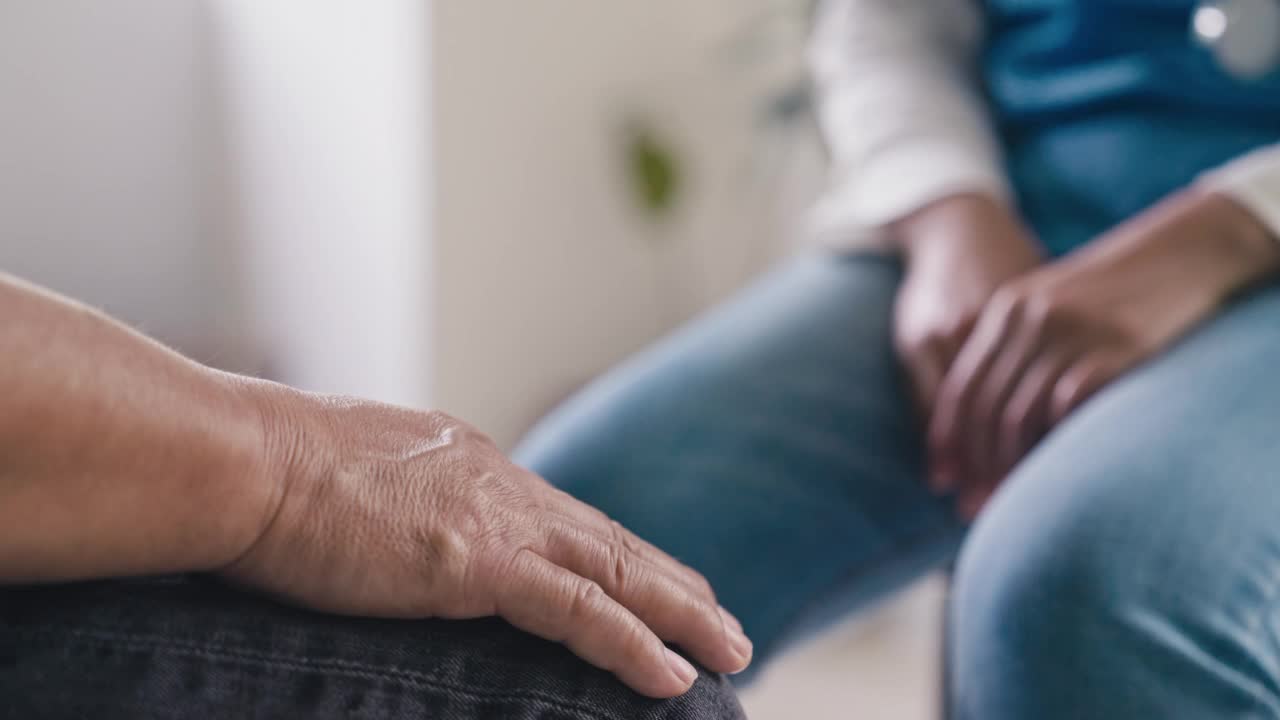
point(1128, 568)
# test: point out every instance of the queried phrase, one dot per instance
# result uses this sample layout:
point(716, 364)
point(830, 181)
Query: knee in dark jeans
point(183, 647)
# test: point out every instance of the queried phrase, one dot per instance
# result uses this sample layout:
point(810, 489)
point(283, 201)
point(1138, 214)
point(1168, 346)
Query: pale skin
point(1001, 346)
point(119, 457)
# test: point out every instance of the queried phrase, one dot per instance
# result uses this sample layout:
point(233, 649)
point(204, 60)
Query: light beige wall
point(254, 182)
point(104, 166)
point(547, 274)
point(328, 188)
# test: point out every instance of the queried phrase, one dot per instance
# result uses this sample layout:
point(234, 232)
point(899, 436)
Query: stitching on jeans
point(156, 641)
point(331, 666)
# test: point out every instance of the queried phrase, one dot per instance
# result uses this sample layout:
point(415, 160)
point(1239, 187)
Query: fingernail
point(744, 648)
point(737, 637)
point(681, 668)
point(729, 620)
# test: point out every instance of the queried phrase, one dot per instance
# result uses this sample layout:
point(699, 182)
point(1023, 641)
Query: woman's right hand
point(958, 250)
point(390, 512)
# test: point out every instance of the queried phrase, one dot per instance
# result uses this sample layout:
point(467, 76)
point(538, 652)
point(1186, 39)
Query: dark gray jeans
point(188, 647)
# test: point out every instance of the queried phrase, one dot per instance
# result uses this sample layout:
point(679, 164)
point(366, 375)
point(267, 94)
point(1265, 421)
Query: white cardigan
point(906, 125)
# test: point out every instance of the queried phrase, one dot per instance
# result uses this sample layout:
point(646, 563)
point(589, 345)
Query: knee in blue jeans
point(1135, 590)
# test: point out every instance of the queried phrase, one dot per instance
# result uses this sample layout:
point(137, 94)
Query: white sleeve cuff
point(855, 209)
point(1253, 180)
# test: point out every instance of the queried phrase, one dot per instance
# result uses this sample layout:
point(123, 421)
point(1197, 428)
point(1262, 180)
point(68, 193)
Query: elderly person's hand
point(390, 512)
point(119, 457)
point(1049, 339)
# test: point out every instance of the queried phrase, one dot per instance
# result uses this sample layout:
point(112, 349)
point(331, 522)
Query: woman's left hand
point(1049, 339)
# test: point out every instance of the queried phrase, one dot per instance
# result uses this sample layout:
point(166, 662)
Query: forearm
point(117, 455)
point(1197, 239)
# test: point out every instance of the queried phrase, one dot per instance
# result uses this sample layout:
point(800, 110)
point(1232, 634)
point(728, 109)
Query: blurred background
point(458, 204)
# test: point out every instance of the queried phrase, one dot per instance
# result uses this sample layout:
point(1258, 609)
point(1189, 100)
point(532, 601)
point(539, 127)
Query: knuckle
point(637, 641)
point(622, 537)
point(503, 550)
point(487, 577)
point(586, 601)
point(451, 428)
point(499, 559)
point(1012, 420)
point(637, 548)
point(619, 568)
point(702, 585)
point(1006, 300)
point(1039, 309)
point(707, 613)
point(445, 549)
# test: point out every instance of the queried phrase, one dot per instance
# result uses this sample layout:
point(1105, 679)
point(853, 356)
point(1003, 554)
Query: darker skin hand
point(959, 250)
point(1051, 338)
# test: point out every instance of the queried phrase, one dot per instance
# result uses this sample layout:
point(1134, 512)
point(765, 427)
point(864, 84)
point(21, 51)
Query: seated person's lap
point(1136, 552)
point(771, 445)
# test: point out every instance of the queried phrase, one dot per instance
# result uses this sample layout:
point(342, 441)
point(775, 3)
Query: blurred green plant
point(653, 170)
point(767, 42)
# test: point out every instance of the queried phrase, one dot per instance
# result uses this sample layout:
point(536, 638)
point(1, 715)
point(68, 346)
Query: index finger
point(664, 604)
point(949, 426)
point(611, 530)
point(553, 603)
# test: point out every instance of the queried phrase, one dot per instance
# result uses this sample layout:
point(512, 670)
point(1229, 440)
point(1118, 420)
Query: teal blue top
point(1105, 106)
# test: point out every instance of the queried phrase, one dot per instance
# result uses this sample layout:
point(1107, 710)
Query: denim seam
point(137, 643)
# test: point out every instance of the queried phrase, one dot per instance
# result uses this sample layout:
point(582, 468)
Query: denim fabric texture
point(188, 647)
point(1128, 568)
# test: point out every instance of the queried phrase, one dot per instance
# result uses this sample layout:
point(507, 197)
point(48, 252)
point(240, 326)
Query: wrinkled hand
point(396, 513)
point(958, 251)
point(1049, 339)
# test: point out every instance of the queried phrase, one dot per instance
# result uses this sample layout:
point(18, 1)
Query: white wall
point(547, 273)
point(327, 186)
point(252, 181)
point(104, 132)
point(246, 181)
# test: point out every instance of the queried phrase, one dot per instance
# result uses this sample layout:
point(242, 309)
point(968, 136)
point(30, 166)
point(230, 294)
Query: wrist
point(279, 446)
point(952, 225)
point(1197, 239)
